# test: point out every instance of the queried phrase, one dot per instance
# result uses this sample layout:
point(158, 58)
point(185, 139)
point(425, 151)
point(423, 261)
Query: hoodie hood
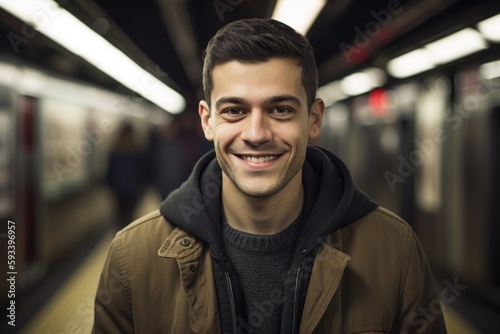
point(332, 201)
point(196, 205)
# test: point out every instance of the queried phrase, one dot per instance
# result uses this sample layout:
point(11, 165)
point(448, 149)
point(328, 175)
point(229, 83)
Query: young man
point(267, 235)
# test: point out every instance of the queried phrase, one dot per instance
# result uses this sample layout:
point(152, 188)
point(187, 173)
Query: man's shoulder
point(380, 226)
point(381, 240)
point(382, 220)
point(150, 226)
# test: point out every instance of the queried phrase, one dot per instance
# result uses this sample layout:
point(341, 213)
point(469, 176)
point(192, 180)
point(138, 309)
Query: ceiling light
point(442, 51)
point(411, 63)
point(490, 28)
point(490, 70)
point(362, 82)
point(455, 46)
point(299, 15)
point(59, 25)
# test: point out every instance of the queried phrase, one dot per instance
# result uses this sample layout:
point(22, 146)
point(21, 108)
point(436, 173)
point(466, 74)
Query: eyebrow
point(230, 100)
point(271, 100)
point(283, 98)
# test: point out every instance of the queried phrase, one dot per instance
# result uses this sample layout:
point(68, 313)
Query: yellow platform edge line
point(71, 308)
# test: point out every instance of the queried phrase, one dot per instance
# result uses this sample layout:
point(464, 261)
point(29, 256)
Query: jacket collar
point(179, 244)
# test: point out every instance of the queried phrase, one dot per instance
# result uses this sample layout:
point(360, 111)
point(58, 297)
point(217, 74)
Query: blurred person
point(168, 164)
point(174, 151)
point(269, 234)
point(126, 174)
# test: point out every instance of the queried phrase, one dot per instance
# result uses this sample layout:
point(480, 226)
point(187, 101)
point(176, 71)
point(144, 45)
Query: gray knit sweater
point(261, 262)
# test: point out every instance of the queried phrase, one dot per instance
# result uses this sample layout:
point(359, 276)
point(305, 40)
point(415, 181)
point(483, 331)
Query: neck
point(262, 215)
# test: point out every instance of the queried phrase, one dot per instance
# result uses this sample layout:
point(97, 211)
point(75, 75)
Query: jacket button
point(185, 242)
point(192, 268)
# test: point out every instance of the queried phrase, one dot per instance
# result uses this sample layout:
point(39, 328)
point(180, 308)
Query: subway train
point(56, 134)
point(425, 146)
point(428, 148)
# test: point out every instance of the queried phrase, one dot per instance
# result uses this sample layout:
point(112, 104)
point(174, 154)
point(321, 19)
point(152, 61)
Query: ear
point(206, 124)
point(316, 118)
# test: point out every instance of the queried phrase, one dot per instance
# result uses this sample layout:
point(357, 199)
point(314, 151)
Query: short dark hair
point(258, 40)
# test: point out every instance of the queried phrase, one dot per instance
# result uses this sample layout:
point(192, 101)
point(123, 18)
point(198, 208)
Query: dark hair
point(258, 40)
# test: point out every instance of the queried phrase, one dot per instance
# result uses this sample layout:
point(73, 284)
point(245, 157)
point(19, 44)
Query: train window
point(63, 148)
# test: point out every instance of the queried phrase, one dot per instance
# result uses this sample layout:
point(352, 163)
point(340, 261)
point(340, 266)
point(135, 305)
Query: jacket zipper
point(296, 301)
point(231, 303)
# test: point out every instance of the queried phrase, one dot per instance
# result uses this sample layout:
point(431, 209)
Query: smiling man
point(268, 235)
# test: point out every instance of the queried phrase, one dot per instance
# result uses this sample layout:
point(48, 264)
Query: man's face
point(260, 124)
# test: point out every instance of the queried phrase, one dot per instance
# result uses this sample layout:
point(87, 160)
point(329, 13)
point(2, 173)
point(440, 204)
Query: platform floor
point(70, 308)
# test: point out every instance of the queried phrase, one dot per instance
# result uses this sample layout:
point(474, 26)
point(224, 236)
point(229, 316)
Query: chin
point(259, 192)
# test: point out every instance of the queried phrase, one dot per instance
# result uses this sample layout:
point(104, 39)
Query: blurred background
point(98, 123)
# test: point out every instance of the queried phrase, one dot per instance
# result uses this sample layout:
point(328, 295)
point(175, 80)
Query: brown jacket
point(368, 277)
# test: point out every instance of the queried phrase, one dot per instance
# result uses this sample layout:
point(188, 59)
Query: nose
point(256, 129)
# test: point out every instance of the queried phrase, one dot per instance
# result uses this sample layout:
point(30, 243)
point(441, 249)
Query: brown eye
point(233, 111)
point(280, 110)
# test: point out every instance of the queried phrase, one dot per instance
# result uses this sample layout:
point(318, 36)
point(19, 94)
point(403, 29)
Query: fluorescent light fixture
point(410, 63)
point(27, 11)
point(490, 28)
point(59, 25)
point(442, 51)
point(455, 46)
point(490, 70)
point(363, 81)
point(298, 14)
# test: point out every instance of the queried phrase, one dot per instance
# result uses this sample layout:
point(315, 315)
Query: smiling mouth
point(258, 159)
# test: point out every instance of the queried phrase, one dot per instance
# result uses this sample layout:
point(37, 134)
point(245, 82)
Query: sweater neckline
point(257, 243)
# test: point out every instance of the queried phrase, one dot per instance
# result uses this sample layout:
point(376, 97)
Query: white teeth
point(259, 159)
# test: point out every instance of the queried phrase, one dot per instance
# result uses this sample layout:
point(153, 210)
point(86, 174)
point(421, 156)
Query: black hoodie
point(332, 201)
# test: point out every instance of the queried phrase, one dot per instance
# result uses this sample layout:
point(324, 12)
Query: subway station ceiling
point(168, 37)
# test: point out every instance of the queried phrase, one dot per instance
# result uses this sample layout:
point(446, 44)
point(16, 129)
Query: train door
point(494, 228)
point(27, 192)
point(476, 119)
point(383, 129)
point(489, 76)
point(426, 158)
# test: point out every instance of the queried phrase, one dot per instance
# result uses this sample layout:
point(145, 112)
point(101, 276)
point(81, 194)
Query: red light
point(378, 101)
